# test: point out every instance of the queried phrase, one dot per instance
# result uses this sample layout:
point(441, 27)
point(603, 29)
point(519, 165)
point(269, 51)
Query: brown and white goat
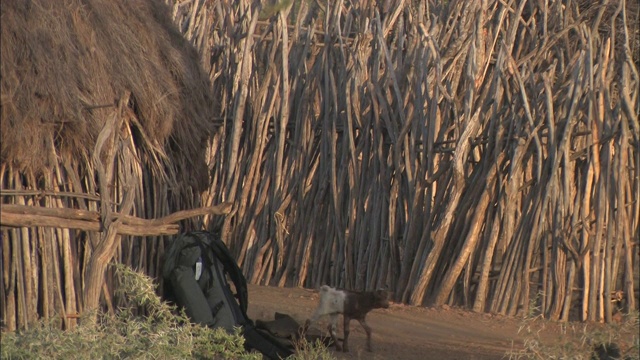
point(352, 305)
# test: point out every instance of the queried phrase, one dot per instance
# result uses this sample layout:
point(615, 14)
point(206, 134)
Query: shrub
point(582, 341)
point(306, 350)
point(162, 333)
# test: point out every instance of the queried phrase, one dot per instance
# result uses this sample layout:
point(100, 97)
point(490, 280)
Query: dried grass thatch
point(65, 64)
point(106, 115)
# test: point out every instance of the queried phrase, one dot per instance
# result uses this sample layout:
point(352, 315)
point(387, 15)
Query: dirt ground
point(402, 332)
point(408, 332)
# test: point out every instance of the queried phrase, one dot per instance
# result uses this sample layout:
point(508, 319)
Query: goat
point(352, 305)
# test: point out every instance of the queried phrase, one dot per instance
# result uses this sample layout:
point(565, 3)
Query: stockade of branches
point(475, 153)
point(479, 153)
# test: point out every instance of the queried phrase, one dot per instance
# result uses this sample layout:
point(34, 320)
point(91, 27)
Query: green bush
point(162, 334)
point(306, 350)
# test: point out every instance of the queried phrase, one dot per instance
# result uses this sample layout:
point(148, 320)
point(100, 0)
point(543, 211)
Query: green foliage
point(578, 341)
point(306, 350)
point(162, 334)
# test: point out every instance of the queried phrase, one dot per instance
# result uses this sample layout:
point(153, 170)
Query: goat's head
point(381, 299)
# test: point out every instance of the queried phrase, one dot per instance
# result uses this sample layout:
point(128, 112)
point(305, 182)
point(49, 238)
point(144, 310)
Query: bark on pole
point(472, 237)
point(440, 235)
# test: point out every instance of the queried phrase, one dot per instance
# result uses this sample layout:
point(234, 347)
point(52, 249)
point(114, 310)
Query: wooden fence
point(482, 153)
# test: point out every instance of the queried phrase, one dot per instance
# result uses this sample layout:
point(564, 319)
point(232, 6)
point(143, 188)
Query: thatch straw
point(64, 64)
point(79, 77)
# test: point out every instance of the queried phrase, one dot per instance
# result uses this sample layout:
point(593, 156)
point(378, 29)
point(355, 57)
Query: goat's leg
point(367, 328)
point(332, 330)
point(345, 341)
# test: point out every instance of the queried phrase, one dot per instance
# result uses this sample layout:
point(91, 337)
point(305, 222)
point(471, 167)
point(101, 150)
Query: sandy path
point(401, 332)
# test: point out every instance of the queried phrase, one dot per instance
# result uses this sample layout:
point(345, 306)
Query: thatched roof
point(65, 64)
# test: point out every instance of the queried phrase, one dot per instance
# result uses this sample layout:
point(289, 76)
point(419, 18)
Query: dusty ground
point(402, 332)
point(406, 332)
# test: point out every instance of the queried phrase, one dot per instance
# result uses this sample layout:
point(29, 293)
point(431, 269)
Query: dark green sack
point(196, 270)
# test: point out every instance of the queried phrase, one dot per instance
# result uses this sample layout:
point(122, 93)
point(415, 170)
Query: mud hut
point(106, 115)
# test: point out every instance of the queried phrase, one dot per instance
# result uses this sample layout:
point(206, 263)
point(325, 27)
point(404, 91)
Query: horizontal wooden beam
point(66, 213)
point(32, 216)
